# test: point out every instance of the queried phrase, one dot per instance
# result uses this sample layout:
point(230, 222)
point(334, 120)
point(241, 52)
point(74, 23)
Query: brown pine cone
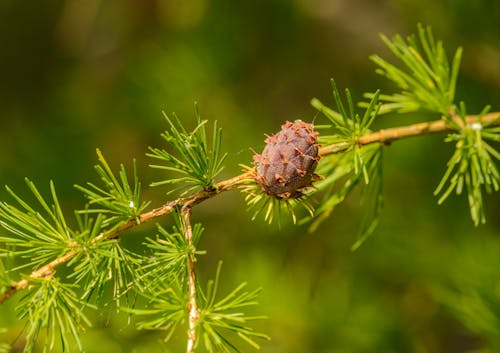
point(286, 166)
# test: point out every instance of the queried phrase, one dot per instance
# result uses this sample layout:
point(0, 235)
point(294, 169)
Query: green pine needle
point(426, 79)
point(347, 124)
point(219, 318)
point(472, 167)
point(273, 209)
point(106, 263)
point(169, 252)
point(225, 315)
point(27, 228)
point(342, 173)
point(190, 155)
point(166, 309)
point(119, 200)
point(54, 312)
point(342, 176)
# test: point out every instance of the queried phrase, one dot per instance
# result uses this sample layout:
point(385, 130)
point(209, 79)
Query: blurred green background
point(80, 74)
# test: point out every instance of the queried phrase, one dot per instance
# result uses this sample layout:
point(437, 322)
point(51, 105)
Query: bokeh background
point(77, 75)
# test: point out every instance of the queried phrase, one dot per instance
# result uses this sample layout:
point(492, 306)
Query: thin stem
point(384, 136)
point(194, 314)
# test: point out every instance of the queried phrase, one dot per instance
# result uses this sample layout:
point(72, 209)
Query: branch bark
point(193, 312)
point(384, 136)
point(387, 136)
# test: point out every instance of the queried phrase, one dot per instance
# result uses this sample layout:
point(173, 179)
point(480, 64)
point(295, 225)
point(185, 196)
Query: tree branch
point(384, 136)
point(194, 314)
point(166, 209)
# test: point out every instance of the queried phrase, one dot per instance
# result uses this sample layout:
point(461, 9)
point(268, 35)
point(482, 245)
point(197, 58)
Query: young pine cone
point(286, 166)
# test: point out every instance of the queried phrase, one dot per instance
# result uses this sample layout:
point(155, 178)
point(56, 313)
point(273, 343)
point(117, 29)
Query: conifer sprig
point(166, 310)
point(472, 167)
point(101, 263)
point(426, 79)
point(27, 228)
point(117, 199)
point(54, 311)
point(169, 253)
point(357, 163)
point(219, 316)
point(192, 157)
point(346, 127)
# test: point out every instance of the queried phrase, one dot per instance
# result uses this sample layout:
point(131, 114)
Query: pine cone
point(286, 166)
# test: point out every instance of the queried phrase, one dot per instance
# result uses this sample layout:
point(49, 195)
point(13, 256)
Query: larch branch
point(384, 136)
point(166, 209)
